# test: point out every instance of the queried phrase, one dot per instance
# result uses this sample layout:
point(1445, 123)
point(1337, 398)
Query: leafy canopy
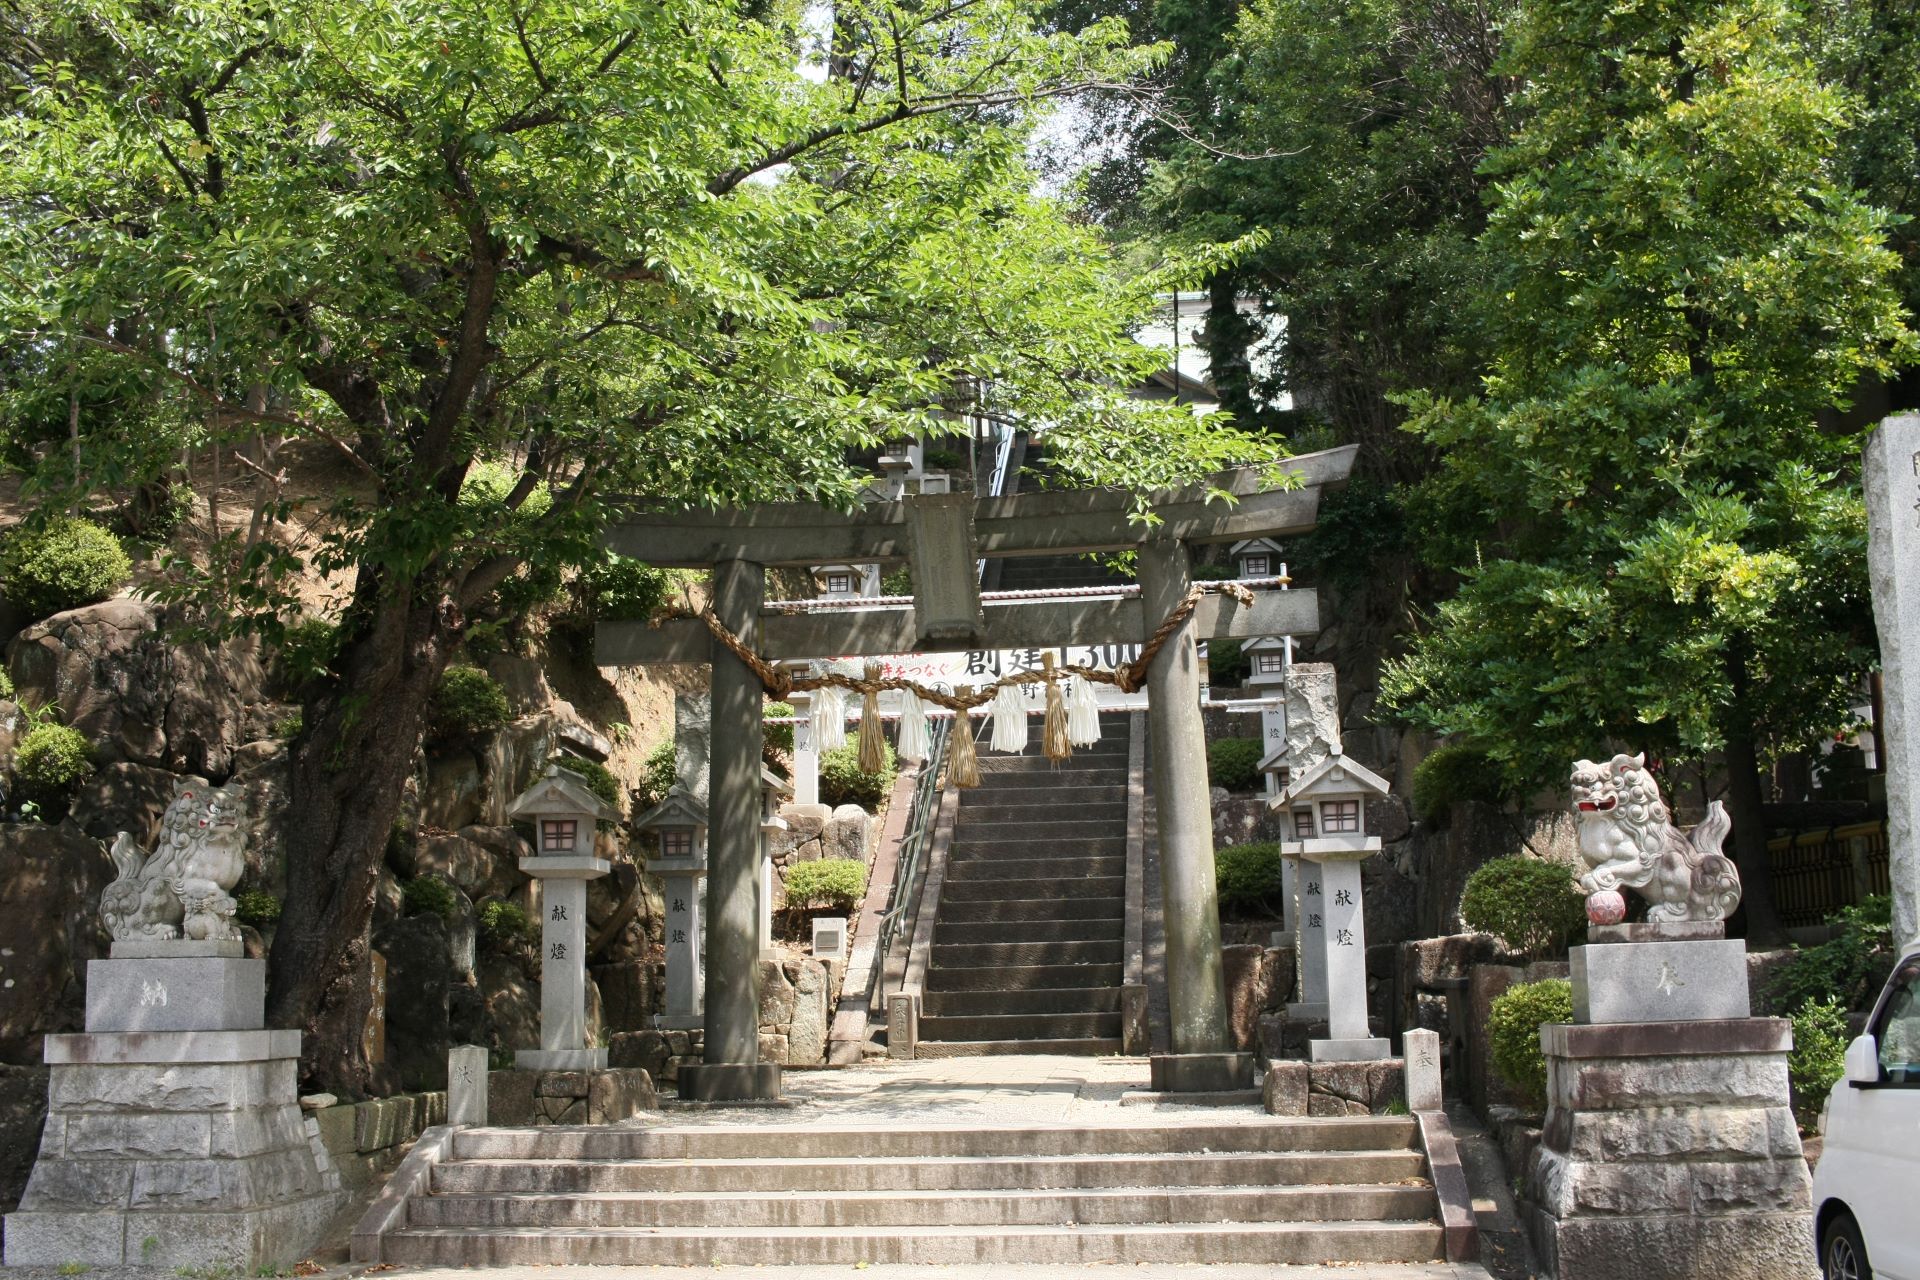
point(626, 245)
point(1659, 546)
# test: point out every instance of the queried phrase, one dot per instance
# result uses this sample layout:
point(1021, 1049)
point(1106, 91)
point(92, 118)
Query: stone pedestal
point(563, 964)
point(173, 1145)
point(1670, 1153)
point(1659, 981)
point(1344, 946)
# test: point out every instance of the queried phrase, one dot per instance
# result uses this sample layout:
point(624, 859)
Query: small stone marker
point(830, 938)
point(1422, 1050)
point(467, 1084)
point(1892, 481)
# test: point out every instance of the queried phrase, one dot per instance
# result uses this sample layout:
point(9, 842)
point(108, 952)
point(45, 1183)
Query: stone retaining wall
point(367, 1139)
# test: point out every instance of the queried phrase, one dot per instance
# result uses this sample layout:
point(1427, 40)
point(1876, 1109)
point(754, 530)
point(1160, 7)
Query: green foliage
point(61, 565)
point(1453, 773)
point(307, 648)
point(468, 703)
point(1532, 905)
point(833, 883)
point(1247, 877)
point(1228, 665)
point(1513, 1033)
point(50, 760)
point(505, 927)
point(897, 582)
point(1359, 527)
point(1818, 1057)
point(1234, 763)
point(842, 782)
point(1657, 546)
point(256, 907)
point(943, 460)
point(1213, 573)
point(598, 777)
point(779, 735)
point(618, 589)
point(289, 726)
point(656, 778)
point(1847, 968)
point(6, 683)
point(430, 895)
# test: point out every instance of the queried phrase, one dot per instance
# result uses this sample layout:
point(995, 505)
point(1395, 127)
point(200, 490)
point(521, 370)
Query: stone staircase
point(1029, 935)
point(1253, 1190)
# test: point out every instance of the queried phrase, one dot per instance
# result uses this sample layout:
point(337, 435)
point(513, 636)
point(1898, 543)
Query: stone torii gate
point(943, 535)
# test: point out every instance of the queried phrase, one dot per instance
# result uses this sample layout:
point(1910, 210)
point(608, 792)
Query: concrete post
point(685, 975)
point(806, 757)
point(563, 964)
point(1202, 1058)
point(732, 1069)
point(1344, 942)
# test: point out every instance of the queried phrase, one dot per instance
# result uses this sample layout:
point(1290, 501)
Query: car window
point(1899, 1031)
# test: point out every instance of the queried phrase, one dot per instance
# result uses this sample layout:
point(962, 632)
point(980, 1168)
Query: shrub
point(598, 777)
point(308, 647)
point(1450, 774)
point(50, 761)
point(1818, 1058)
point(256, 907)
point(1849, 967)
point(842, 782)
point(469, 702)
point(1531, 905)
point(504, 926)
point(779, 735)
point(898, 583)
point(430, 896)
point(835, 883)
point(6, 684)
point(621, 589)
point(943, 460)
point(1228, 665)
point(1213, 572)
point(1248, 878)
point(1513, 1033)
point(61, 565)
point(288, 726)
point(657, 777)
point(1234, 763)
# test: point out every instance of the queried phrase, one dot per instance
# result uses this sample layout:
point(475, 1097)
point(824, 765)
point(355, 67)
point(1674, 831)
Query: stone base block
point(520, 1098)
point(1200, 1072)
point(154, 1047)
point(209, 994)
point(1770, 1246)
point(1366, 1049)
point(1659, 981)
point(560, 1059)
point(1670, 931)
point(730, 1081)
point(176, 949)
point(234, 1240)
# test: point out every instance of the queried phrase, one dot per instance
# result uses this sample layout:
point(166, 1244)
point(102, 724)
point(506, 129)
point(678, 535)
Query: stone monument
point(1669, 1149)
point(1891, 475)
point(174, 1135)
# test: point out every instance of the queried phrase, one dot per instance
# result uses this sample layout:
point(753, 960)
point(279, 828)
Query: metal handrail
point(913, 845)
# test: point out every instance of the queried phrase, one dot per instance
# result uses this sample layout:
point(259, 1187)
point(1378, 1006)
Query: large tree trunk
point(349, 768)
point(1744, 806)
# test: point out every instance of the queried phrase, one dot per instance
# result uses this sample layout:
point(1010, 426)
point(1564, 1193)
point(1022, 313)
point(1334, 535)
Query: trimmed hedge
point(842, 782)
point(50, 760)
point(1247, 877)
point(1234, 763)
point(1513, 1033)
point(61, 565)
point(835, 883)
point(1531, 905)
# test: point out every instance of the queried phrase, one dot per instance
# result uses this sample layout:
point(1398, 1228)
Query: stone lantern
point(1326, 808)
point(680, 821)
point(564, 813)
point(1258, 558)
point(845, 581)
point(774, 789)
point(1269, 659)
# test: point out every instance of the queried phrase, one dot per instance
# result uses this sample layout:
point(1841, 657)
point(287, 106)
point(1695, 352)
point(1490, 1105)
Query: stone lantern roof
point(561, 791)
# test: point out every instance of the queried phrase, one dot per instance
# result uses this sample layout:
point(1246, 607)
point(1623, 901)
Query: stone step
point(1255, 1134)
point(1266, 1243)
point(919, 1173)
point(1092, 930)
point(1017, 801)
point(1022, 1026)
point(991, 910)
point(1067, 869)
point(1013, 844)
point(995, 783)
point(1088, 768)
point(726, 1211)
point(1015, 889)
point(1054, 822)
point(962, 1004)
point(967, 955)
point(1032, 977)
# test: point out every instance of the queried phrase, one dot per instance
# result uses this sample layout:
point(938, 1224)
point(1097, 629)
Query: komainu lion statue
point(1627, 838)
point(181, 889)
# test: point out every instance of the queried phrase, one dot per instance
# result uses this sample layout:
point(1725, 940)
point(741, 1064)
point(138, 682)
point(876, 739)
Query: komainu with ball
point(181, 889)
point(1627, 838)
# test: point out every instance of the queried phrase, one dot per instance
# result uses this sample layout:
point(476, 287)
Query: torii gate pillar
point(732, 1070)
point(1202, 1060)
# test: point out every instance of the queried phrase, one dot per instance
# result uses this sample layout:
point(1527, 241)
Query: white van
point(1866, 1188)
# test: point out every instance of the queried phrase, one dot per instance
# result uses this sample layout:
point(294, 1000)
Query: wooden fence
point(1815, 873)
